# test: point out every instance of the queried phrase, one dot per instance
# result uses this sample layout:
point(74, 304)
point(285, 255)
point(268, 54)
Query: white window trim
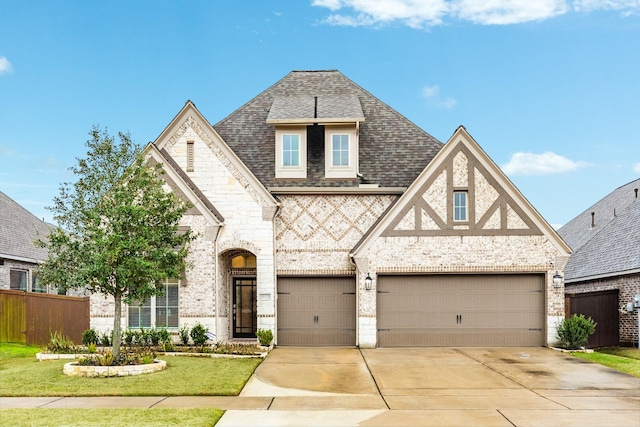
point(153, 311)
point(349, 171)
point(466, 206)
point(299, 171)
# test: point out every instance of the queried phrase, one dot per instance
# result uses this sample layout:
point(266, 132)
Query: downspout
point(358, 174)
point(275, 278)
point(352, 261)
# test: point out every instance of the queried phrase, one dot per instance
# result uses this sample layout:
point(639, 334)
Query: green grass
point(23, 375)
point(110, 417)
point(625, 360)
point(10, 350)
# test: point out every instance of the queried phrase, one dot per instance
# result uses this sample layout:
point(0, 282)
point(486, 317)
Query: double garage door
point(461, 310)
point(318, 311)
point(412, 311)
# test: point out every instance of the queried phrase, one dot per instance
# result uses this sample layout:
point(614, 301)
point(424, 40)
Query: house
point(603, 273)
point(328, 217)
point(19, 256)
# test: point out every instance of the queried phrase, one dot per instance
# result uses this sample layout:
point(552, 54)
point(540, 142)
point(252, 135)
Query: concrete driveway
point(437, 387)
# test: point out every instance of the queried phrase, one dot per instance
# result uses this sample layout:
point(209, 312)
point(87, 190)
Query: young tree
point(118, 227)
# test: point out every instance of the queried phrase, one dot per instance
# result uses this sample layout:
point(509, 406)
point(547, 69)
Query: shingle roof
point(393, 150)
point(18, 231)
point(612, 245)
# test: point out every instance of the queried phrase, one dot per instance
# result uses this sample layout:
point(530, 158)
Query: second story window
point(460, 206)
point(340, 149)
point(290, 150)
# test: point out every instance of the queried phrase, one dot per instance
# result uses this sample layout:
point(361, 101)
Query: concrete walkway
point(409, 387)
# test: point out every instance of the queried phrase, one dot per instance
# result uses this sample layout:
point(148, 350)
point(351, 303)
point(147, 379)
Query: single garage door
point(318, 311)
point(461, 310)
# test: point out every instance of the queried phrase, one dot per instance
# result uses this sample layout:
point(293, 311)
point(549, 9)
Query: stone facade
point(627, 286)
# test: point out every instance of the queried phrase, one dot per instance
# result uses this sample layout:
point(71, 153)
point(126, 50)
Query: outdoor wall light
point(557, 280)
point(367, 282)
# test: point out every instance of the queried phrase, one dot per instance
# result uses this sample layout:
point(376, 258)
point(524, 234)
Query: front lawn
point(132, 417)
point(623, 359)
point(23, 375)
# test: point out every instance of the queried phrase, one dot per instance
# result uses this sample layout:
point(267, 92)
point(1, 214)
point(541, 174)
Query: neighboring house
point(603, 273)
point(19, 256)
point(328, 217)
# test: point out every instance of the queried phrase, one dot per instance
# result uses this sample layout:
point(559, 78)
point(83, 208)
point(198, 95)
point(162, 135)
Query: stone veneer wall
point(628, 286)
point(247, 226)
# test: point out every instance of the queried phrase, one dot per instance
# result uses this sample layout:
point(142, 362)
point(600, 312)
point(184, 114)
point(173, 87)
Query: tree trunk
point(117, 330)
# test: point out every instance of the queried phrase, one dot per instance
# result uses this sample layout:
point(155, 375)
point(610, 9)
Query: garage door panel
point(316, 311)
point(460, 310)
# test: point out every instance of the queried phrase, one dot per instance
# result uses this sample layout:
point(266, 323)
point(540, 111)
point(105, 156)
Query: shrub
point(128, 337)
point(198, 334)
point(184, 335)
point(106, 339)
point(265, 336)
point(153, 337)
point(90, 336)
point(574, 332)
point(91, 347)
point(164, 335)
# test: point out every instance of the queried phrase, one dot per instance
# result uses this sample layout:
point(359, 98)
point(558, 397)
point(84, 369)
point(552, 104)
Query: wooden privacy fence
point(602, 307)
point(31, 318)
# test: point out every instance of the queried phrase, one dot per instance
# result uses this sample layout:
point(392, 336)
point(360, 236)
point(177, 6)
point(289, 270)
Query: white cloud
point(547, 163)
point(636, 167)
point(432, 93)
point(5, 65)
point(413, 13)
point(426, 13)
point(500, 12)
point(590, 5)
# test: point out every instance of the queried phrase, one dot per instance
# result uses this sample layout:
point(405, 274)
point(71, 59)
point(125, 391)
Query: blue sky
point(550, 89)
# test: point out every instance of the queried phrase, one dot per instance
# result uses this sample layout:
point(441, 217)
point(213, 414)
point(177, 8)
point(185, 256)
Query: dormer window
point(291, 152)
point(339, 114)
point(341, 151)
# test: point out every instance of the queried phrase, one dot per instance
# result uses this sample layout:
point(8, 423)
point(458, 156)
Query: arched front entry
point(241, 282)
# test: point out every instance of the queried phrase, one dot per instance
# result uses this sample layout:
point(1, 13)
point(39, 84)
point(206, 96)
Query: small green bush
point(265, 336)
point(90, 336)
point(183, 332)
point(198, 334)
point(574, 332)
point(128, 336)
point(106, 338)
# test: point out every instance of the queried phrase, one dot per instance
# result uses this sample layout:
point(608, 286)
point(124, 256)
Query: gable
point(189, 121)
point(495, 206)
point(491, 209)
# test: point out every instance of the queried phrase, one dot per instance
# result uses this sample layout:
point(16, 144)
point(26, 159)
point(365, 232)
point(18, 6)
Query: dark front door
point(244, 308)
